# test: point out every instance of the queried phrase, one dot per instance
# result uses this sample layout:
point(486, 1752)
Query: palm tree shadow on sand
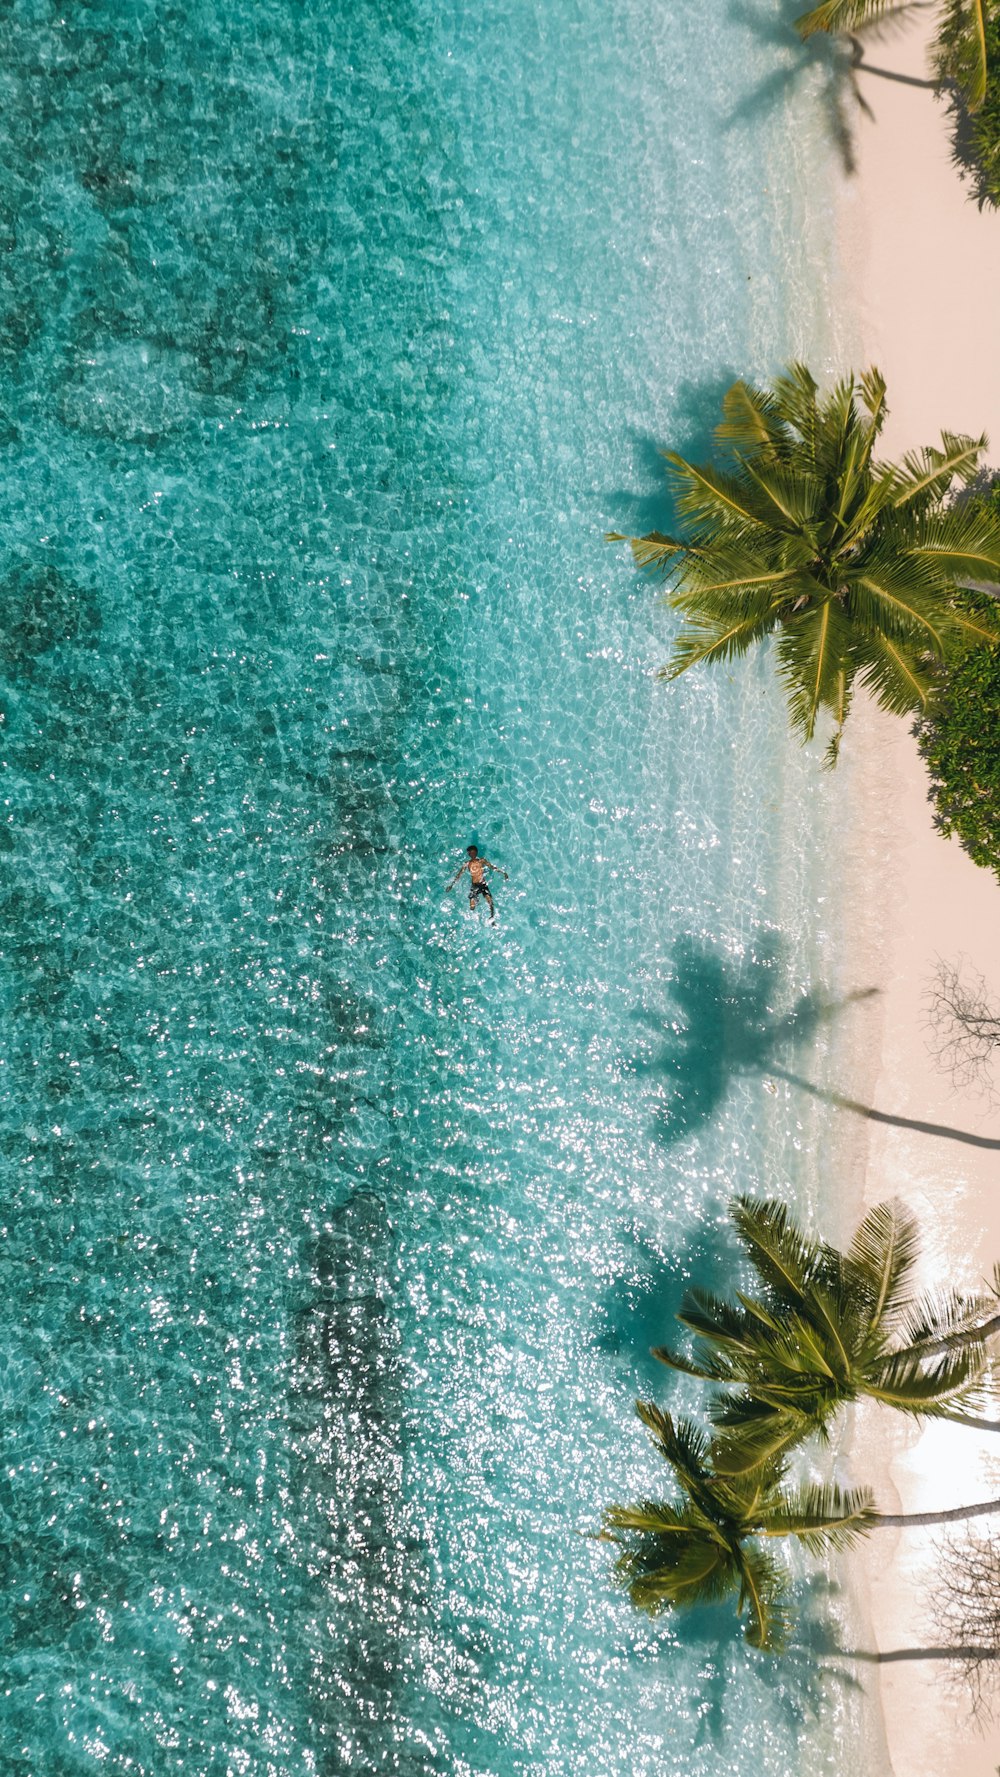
point(722, 1028)
point(832, 63)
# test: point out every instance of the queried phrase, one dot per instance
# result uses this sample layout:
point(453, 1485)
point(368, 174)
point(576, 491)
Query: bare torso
point(478, 883)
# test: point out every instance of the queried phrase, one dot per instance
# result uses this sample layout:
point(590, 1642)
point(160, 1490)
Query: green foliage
point(960, 743)
point(964, 52)
point(824, 1328)
point(708, 1546)
point(843, 15)
point(966, 60)
point(963, 49)
point(796, 530)
point(981, 151)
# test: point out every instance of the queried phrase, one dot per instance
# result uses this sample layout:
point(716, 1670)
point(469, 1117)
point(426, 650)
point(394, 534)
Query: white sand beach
point(925, 270)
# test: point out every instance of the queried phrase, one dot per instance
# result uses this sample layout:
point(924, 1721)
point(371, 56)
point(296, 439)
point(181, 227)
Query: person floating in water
point(478, 885)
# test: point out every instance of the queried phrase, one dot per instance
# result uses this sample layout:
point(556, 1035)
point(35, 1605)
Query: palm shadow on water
point(695, 410)
point(638, 1312)
point(803, 1680)
point(722, 1028)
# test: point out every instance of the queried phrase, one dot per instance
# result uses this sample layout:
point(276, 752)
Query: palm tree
point(854, 563)
point(961, 47)
point(708, 1546)
point(827, 1328)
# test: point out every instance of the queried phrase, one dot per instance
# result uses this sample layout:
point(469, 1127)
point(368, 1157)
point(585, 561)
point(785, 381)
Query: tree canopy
point(962, 47)
point(708, 1545)
point(796, 530)
point(824, 1328)
point(960, 744)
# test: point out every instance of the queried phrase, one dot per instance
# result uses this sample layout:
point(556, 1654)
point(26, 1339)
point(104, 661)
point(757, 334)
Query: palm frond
point(975, 90)
point(654, 550)
point(699, 1573)
point(814, 662)
point(901, 598)
point(803, 1272)
point(961, 51)
point(983, 631)
point(677, 1575)
point(714, 1319)
point(884, 1251)
point(711, 1370)
point(839, 712)
point(751, 421)
point(780, 1253)
point(739, 575)
point(755, 1445)
point(840, 423)
point(919, 1385)
point(872, 387)
point(795, 1349)
point(843, 15)
point(822, 1517)
point(813, 1344)
point(759, 1316)
point(861, 495)
point(781, 1378)
point(706, 496)
point(943, 1315)
point(863, 505)
point(796, 393)
point(700, 642)
point(960, 544)
point(680, 1443)
point(927, 475)
point(764, 1597)
point(703, 591)
point(794, 498)
point(899, 679)
point(653, 1516)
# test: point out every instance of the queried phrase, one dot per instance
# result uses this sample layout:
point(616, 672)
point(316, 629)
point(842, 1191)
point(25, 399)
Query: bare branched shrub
point(967, 1613)
point(963, 1020)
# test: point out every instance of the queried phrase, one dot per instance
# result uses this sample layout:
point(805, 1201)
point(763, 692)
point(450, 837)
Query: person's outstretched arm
point(490, 866)
point(455, 878)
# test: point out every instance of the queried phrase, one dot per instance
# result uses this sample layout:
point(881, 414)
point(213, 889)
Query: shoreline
point(923, 266)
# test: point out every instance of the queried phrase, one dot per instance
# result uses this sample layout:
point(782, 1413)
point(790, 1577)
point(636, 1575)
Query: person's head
point(473, 851)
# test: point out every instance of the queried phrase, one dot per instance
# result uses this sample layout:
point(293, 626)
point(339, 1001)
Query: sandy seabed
point(923, 272)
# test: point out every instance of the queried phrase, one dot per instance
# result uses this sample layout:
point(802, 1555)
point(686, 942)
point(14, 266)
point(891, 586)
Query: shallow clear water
point(337, 1224)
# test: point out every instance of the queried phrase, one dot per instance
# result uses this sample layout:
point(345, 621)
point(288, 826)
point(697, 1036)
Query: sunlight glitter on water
point(338, 1225)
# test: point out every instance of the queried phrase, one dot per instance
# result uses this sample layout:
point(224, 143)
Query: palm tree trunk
point(946, 1131)
point(970, 1419)
point(893, 1654)
point(953, 1515)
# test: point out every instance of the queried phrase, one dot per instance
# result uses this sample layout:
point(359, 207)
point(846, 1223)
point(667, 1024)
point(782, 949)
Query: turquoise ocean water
point(336, 1224)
